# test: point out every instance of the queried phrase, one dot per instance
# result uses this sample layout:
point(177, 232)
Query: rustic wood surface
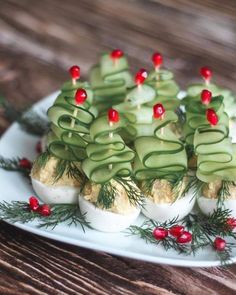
point(39, 40)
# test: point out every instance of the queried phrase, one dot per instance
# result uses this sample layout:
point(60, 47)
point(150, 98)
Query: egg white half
point(207, 206)
point(104, 220)
point(55, 194)
point(167, 211)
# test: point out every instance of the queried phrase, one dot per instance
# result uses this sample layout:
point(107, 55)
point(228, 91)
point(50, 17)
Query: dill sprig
point(109, 191)
point(106, 195)
point(145, 232)
point(136, 197)
point(224, 192)
point(18, 211)
point(13, 165)
point(70, 168)
point(204, 230)
point(42, 159)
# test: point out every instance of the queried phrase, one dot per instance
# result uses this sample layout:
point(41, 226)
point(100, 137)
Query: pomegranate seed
point(206, 73)
point(33, 203)
point(160, 233)
point(38, 147)
point(80, 96)
point(75, 72)
point(212, 117)
point(113, 116)
point(25, 163)
point(219, 244)
point(116, 54)
point(206, 96)
point(141, 76)
point(44, 210)
point(231, 222)
point(176, 230)
point(185, 237)
point(158, 110)
point(157, 59)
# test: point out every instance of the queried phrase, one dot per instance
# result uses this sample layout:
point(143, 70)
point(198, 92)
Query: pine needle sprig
point(33, 123)
point(18, 211)
point(9, 110)
point(30, 121)
point(13, 165)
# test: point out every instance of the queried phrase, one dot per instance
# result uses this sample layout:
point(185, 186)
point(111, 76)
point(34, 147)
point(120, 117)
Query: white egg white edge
point(207, 206)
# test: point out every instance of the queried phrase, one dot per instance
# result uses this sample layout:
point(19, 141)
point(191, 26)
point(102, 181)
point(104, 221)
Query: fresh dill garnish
point(18, 211)
point(224, 192)
point(70, 168)
point(42, 159)
point(106, 195)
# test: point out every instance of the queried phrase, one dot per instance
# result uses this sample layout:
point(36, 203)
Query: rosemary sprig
point(13, 165)
point(18, 211)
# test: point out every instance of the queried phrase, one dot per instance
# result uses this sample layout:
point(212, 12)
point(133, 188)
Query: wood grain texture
point(39, 40)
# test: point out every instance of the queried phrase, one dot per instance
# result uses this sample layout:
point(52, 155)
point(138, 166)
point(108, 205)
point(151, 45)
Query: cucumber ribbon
point(166, 89)
point(65, 141)
point(216, 155)
point(194, 92)
point(138, 115)
point(161, 155)
point(108, 156)
point(109, 81)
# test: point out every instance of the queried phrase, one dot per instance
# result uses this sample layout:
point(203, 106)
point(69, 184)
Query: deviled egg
point(117, 217)
point(208, 202)
point(64, 190)
point(162, 203)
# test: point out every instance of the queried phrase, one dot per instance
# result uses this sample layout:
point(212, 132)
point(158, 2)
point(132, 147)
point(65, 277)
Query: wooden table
point(39, 40)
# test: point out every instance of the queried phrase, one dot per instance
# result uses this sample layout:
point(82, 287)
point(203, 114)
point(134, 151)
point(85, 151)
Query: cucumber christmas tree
point(163, 82)
point(110, 79)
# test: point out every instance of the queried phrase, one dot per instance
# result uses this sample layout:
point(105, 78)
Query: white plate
point(15, 187)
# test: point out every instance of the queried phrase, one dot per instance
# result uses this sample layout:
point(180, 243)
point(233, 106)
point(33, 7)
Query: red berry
point(44, 210)
point(219, 244)
point(185, 237)
point(38, 147)
point(25, 163)
point(206, 96)
point(206, 73)
point(113, 115)
point(212, 117)
point(160, 233)
point(33, 203)
point(176, 230)
point(75, 72)
point(116, 54)
point(141, 76)
point(80, 96)
point(158, 110)
point(157, 59)
point(231, 222)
